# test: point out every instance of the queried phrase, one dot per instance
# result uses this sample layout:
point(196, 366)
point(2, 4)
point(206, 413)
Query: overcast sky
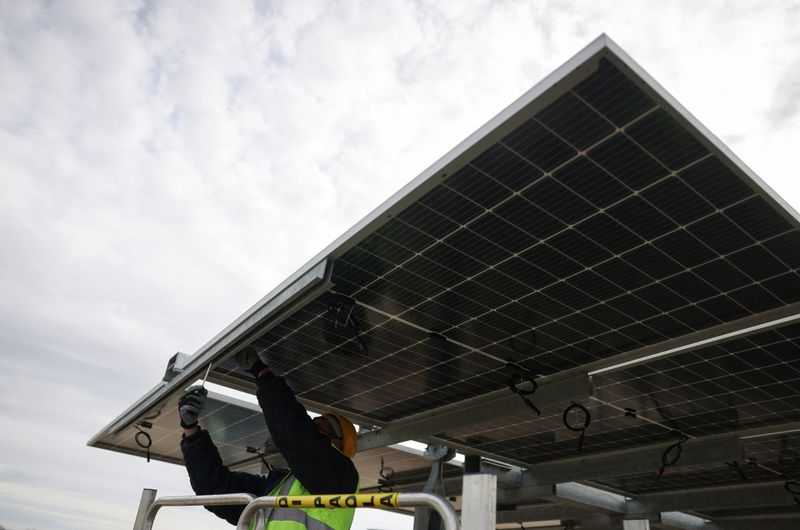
point(163, 165)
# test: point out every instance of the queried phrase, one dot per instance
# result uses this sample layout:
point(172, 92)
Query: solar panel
point(748, 382)
point(234, 425)
point(770, 458)
point(592, 228)
point(592, 222)
point(733, 386)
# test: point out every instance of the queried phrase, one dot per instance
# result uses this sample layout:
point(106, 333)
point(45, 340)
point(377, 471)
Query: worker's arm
point(319, 466)
point(207, 474)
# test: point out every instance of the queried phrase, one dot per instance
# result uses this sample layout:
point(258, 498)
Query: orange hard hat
point(348, 432)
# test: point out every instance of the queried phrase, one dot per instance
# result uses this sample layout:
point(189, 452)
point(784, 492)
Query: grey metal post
point(479, 502)
point(424, 518)
point(148, 496)
point(636, 524)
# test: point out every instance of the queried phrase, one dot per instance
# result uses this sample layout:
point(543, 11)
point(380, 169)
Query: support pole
point(472, 464)
point(479, 502)
point(425, 518)
point(148, 497)
point(636, 524)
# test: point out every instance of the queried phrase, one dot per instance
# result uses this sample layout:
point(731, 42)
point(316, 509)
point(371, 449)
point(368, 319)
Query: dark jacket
point(317, 464)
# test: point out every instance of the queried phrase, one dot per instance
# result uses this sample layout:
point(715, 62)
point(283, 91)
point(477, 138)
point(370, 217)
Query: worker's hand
point(249, 361)
point(191, 404)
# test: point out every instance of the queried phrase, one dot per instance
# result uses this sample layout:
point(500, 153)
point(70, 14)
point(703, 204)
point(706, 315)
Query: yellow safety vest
point(304, 518)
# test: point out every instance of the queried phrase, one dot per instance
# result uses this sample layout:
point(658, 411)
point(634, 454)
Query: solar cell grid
point(627, 162)
point(591, 182)
point(694, 389)
point(767, 458)
point(402, 363)
point(531, 439)
point(748, 383)
point(558, 200)
point(608, 233)
point(778, 453)
point(677, 200)
point(679, 478)
point(573, 120)
point(592, 229)
point(709, 387)
point(689, 288)
point(670, 215)
point(506, 167)
point(539, 146)
point(613, 95)
point(663, 138)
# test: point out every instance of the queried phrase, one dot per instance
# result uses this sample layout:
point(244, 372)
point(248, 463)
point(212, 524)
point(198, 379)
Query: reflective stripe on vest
point(283, 488)
point(310, 518)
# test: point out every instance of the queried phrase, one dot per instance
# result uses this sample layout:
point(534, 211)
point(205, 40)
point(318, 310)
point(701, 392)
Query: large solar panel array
point(597, 226)
point(746, 383)
point(768, 458)
point(595, 220)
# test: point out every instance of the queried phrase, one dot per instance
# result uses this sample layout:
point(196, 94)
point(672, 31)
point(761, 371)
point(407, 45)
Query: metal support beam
point(588, 497)
point(683, 521)
point(585, 519)
point(575, 500)
point(512, 495)
point(765, 518)
point(425, 518)
point(525, 494)
point(555, 481)
point(632, 461)
point(635, 524)
point(508, 482)
point(782, 524)
point(482, 408)
point(540, 512)
point(748, 325)
point(593, 506)
point(148, 497)
point(749, 432)
point(748, 495)
point(599, 522)
point(770, 523)
point(479, 502)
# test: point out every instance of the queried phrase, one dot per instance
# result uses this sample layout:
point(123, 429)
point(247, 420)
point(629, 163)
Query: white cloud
point(163, 165)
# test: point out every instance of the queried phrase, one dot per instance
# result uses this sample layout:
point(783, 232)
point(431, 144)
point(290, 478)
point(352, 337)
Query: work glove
point(249, 361)
point(191, 404)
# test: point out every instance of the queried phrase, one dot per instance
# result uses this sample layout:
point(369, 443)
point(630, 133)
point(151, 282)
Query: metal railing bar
point(195, 500)
point(356, 500)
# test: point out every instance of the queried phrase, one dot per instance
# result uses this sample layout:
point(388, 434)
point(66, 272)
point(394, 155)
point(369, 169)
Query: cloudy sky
point(163, 165)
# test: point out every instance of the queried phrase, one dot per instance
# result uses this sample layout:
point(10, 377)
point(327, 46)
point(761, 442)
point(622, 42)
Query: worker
point(318, 453)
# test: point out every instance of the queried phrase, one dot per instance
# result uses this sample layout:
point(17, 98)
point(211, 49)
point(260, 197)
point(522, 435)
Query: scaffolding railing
point(230, 499)
point(255, 505)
